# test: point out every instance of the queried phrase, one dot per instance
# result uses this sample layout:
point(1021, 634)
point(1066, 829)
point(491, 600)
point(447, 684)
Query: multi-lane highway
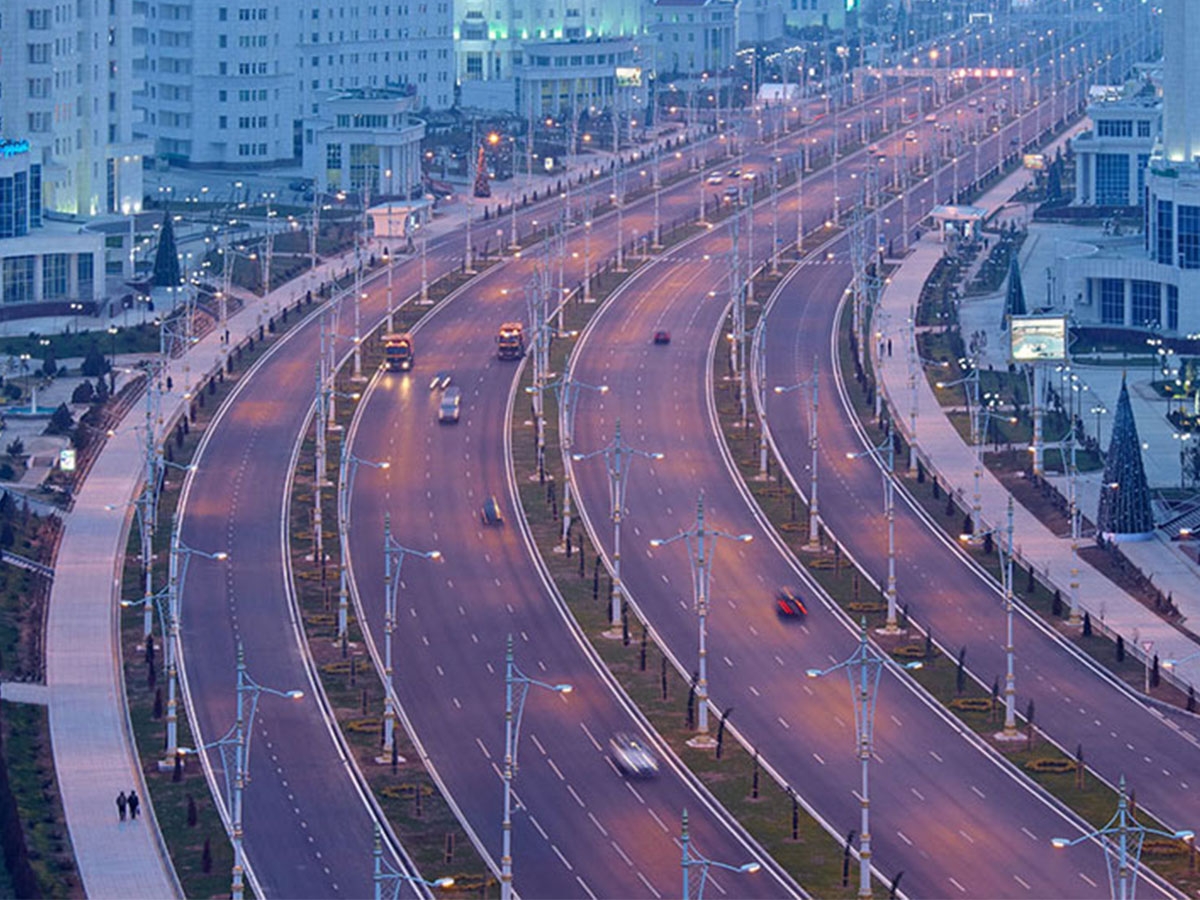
point(936, 798)
point(304, 796)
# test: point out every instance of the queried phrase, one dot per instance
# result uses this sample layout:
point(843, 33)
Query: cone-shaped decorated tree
point(166, 258)
point(1014, 300)
point(483, 184)
point(1124, 496)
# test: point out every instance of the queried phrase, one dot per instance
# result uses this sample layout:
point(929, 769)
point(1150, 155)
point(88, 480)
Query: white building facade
point(40, 262)
point(66, 86)
point(365, 140)
point(1111, 157)
point(542, 56)
point(230, 83)
point(692, 37)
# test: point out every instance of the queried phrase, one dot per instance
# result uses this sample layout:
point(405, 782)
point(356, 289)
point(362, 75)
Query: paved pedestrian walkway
point(24, 692)
point(953, 460)
point(94, 755)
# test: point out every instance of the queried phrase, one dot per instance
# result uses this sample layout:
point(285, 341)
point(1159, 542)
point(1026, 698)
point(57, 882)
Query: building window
point(85, 276)
point(364, 167)
point(7, 225)
point(1143, 160)
point(18, 279)
point(55, 267)
point(1112, 179)
point(1112, 301)
point(1147, 303)
point(1172, 308)
point(35, 196)
point(1164, 228)
point(1143, 129)
point(474, 66)
point(1114, 128)
point(1189, 237)
point(20, 204)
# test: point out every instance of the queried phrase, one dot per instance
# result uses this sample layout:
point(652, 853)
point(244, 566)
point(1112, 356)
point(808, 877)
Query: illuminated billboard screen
point(629, 76)
point(1035, 161)
point(1038, 338)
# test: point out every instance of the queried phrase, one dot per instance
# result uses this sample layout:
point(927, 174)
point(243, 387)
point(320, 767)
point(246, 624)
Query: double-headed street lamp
point(566, 390)
point(618, 459)
point(347, 469)
point(701, 544)
point(1006, 577)
point(863, 667)
point(237, 741)
point(1122, 838)
point(393, 550)
point(514, 677)
point(889, 505)
point(385, 875)
point(814, 542)
point(692, 859)
point(177, 568)
point(1173, 663)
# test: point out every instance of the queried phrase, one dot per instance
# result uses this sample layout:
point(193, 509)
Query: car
point(789, 604)
point(943, 127)
point(733, 194)
point(910, 136)
point(873, 150)
point(490, 514)
point(451, 405)
point(734, 173)
point(632, 756)
point(715, 178)
point(931, 117)
point(662, 337)
point(748, 176)
point(440, 381)
point(1014, 141)
point(300, 184)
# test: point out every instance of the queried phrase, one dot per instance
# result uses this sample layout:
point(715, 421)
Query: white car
point(932, 117)
point(715, 178)
point(911, 137)
point(632, 756)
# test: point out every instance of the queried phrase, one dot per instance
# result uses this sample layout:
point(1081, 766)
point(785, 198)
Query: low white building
point(366, 139)
point(594, 74)
point(44, 267)
point(1111, 157)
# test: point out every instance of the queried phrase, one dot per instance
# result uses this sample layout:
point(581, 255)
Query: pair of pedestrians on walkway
point(132, 802)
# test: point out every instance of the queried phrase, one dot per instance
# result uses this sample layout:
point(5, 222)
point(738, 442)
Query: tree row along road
point(1119, 734)
point(307, 832)
point(955, 823)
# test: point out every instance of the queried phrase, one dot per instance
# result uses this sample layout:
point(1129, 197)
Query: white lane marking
point(904, 838)
point(596, 822)
point(648, 885)
point(961, 889)
point(562, 858)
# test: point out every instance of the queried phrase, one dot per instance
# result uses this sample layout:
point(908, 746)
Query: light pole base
point(657, 247)
point(761, 476)
point(1075, 620)
point(702, 742)
point(616, 633)
point(1008, 735)
point(359, 379)
point(560, 549)
point(385, 759)
point(336, 426)
point(891, 630)
point(167, 764)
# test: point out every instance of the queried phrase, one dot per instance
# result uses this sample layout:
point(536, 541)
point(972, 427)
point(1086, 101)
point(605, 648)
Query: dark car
point(789, 604)
point(632, 756)
point(662, 337)
point(490, 514)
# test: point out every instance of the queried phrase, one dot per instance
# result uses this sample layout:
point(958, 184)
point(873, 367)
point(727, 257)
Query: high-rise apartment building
point(66, 85)
point(230, 83)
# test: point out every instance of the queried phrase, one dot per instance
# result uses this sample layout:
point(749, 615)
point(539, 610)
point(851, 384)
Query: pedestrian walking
point(889, 348)
point(121, 805)
point(133, 804)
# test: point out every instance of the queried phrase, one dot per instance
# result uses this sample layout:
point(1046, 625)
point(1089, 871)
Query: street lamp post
point(347, 469)
point(177, 566)
point(513, 676)
point(693, 859)
point(393, 550)
point(1122, 838)
point(237, 741)
point(385, 875)
point(814, 542)
point(892, 625)
point(701, 545)
point(863, 667)
point(618, 459)
point(566, 390)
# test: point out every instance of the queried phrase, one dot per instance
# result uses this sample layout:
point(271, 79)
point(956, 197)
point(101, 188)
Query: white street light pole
point(701, 545)
point(512, 735)
point(691, 859)
point(814, 542)
point(347, 469)
point(618, 459)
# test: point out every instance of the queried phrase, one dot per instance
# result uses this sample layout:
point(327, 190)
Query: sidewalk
point(94, 755)
point(953, 460)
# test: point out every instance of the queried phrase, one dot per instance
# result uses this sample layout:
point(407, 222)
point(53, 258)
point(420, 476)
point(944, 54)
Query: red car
point(789, 605)
point(662, 337)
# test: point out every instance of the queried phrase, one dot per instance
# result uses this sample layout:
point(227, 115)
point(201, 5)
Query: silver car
point(632, 756)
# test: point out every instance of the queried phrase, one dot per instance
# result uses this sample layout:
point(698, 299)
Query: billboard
point(1035, 161)
point(629, 76)
point(1038, 338)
